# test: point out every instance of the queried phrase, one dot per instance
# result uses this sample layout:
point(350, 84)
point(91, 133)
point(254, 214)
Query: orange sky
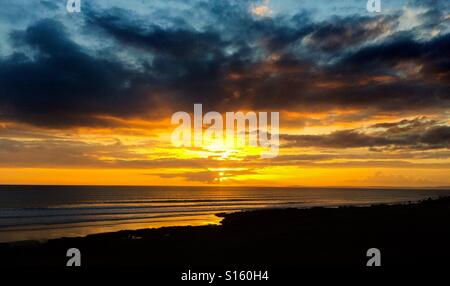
point(141, 153)
point(363, 97)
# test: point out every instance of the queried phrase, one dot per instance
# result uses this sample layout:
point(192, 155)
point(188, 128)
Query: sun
point(219, 150)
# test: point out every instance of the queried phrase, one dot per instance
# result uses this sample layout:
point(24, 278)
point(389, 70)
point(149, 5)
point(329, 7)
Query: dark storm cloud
point(177, 42)
point(338, 33)
point(394, 97)
point(235, 60)
point(385, 56)
point(186, 63)
point(62, 84)
point(418, 134)
point(194, 64)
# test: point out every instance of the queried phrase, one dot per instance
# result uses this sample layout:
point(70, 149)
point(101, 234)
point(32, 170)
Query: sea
point(47, 212)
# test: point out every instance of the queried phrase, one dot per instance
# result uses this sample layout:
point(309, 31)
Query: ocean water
point(46, 212)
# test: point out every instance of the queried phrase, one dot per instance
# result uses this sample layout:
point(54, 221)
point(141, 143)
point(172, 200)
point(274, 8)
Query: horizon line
point(229, 186)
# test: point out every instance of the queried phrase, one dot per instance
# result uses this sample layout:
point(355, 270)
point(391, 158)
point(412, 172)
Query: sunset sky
point(87, 98)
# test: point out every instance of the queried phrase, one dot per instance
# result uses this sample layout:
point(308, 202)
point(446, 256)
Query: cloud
point(62, 152)
point(61, 84)
point(418, 133)
point(396, 50)
point(339, 33)
point(401, 144)
point(228, 60)
point(208, 176)
point(180, 42)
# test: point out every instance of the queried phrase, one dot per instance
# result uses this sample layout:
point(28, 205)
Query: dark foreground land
point(409, 236)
